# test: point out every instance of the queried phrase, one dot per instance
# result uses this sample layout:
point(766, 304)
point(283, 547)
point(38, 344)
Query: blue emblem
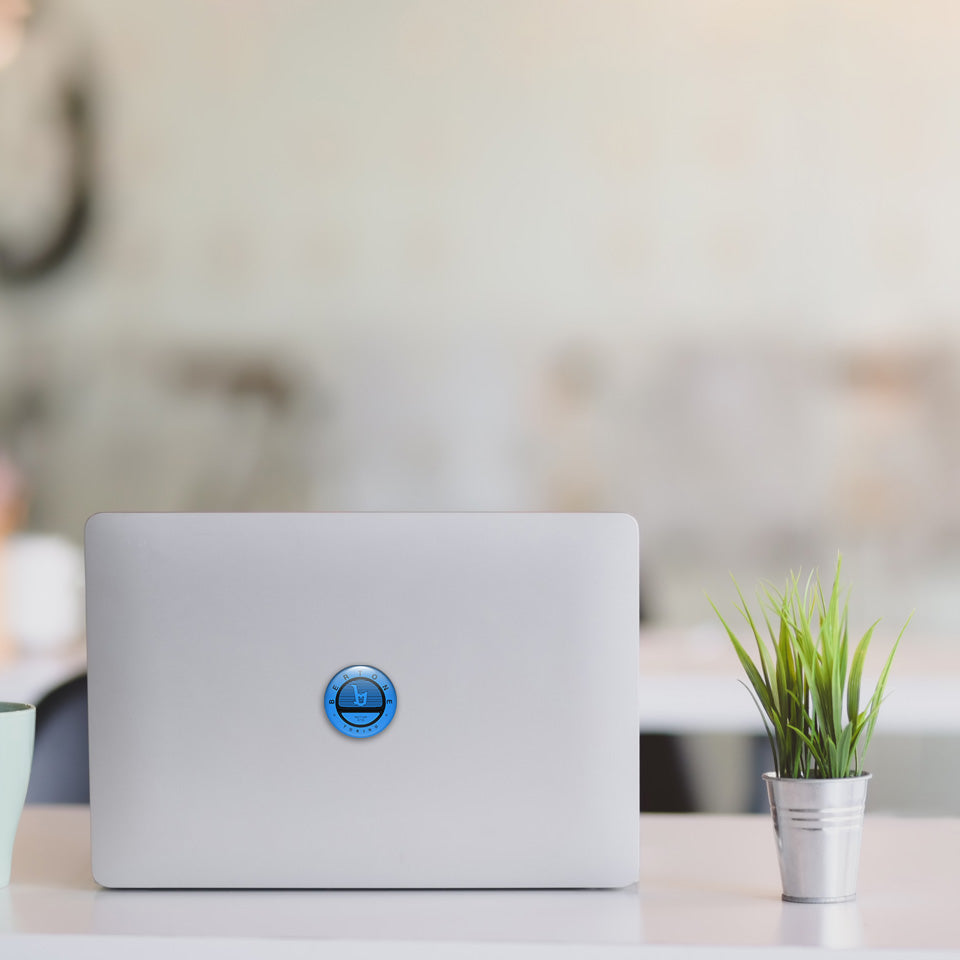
point(360, 701)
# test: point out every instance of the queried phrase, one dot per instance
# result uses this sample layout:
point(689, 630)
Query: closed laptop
point(363, 700)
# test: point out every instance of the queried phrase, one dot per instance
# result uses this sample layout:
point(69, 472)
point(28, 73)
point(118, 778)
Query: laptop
point(363, 700)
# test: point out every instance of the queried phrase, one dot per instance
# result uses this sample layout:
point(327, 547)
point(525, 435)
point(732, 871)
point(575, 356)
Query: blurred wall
point(692, 259)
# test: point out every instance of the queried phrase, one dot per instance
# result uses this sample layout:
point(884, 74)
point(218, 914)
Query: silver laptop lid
point(363, 700)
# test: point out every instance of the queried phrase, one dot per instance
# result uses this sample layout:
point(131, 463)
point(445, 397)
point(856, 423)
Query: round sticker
point(360, 701)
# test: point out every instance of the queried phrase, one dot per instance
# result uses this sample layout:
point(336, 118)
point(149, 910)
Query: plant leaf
point(856, 672)
point(804, 679)
point(877, 698)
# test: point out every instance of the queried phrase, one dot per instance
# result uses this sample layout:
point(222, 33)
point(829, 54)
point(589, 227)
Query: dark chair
point(664, 786)
point(61, 758)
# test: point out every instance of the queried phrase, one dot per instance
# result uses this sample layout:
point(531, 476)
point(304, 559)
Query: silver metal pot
point(818, 825)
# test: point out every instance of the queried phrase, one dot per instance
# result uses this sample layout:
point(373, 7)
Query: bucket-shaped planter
point(818, 826)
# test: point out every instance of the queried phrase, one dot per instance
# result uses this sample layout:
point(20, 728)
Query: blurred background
point(695, 260)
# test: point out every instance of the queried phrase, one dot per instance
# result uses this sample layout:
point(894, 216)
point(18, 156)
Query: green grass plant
point(805, 681)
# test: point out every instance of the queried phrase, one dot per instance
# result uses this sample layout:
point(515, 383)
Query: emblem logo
point(360, 701)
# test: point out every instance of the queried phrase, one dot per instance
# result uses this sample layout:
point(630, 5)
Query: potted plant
point(807, 686)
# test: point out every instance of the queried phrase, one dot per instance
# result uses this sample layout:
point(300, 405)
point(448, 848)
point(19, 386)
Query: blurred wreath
point(46, 138)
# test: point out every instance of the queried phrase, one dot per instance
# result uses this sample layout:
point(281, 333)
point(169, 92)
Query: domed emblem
point(360, 701)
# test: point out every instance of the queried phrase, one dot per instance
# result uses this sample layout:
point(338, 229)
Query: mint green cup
point(17, 724)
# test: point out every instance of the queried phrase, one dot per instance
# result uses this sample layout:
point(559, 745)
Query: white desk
point(709, 886)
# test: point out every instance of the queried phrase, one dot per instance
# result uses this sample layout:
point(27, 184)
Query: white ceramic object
point(44, 592)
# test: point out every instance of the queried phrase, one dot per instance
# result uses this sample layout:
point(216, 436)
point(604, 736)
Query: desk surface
point(706, 882)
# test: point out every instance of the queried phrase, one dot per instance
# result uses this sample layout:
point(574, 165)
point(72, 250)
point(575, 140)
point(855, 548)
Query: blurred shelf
point(689, 684)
